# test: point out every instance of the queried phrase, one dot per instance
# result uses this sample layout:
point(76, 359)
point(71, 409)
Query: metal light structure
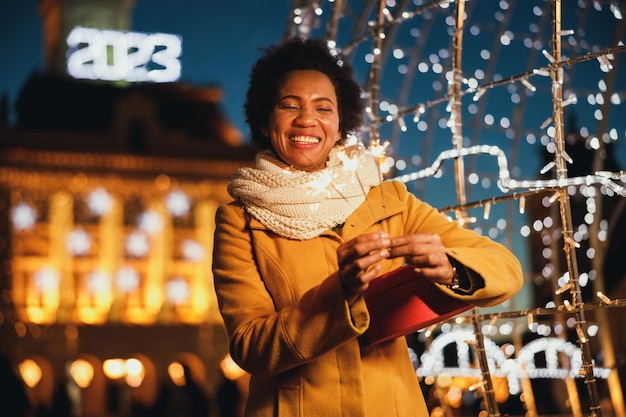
point(556, 74)
point(380, 30)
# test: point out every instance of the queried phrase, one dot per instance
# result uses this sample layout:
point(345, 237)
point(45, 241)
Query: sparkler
point(350, 159)
point(379, 151)
point(351, 156)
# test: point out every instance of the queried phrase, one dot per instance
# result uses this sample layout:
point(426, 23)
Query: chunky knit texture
point(299, 204)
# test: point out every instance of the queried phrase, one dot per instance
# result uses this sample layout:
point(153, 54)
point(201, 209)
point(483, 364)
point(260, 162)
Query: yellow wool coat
point(292, 329)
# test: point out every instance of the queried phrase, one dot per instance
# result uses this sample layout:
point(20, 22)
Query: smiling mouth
point(304, 139)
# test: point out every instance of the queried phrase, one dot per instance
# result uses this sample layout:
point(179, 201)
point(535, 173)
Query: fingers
point(357, 283)
point(426, 252)
point(414, 244)
point(424, 249)
point(362, 245)
point(358, 260)
point(441, 274)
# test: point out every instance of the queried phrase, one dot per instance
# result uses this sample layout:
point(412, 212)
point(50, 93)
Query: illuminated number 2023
point(101, 54)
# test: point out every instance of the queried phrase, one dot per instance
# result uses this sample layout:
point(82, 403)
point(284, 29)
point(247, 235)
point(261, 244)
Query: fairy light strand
point(556, 75)
point(480, 90)
point(506, 183)
point(375, 72)
point(347, 49)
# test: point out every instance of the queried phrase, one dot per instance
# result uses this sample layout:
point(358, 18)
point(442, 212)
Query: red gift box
point(401, 302)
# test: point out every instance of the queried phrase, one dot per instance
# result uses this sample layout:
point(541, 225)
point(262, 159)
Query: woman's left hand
point(426, 253)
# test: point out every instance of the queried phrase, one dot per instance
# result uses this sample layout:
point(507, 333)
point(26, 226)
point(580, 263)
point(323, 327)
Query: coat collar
point(382, 202)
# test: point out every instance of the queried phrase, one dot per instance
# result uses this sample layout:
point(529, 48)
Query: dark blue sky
point(220, 41)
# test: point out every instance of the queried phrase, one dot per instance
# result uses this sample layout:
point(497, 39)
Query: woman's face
point(304, 123)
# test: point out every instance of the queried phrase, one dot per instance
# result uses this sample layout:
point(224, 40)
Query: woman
point(306, 234)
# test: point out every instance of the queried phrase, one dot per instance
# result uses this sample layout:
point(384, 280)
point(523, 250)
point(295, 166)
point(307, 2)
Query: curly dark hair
point(269, 72)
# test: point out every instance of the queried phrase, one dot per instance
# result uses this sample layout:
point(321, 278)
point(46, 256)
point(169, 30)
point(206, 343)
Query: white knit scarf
point(299, 204)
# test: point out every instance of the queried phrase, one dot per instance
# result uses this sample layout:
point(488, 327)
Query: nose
point(305, 117)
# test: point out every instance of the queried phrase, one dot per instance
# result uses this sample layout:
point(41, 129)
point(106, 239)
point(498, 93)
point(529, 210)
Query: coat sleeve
point(262, 340)
point(495, 272)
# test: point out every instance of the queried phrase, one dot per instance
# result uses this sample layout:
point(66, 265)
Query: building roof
point(146, 118)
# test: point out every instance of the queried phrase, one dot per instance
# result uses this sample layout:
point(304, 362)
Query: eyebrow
point(317, 99)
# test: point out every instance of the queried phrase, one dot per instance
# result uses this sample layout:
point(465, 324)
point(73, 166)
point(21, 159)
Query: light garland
point(506, 183)
point(432, 361)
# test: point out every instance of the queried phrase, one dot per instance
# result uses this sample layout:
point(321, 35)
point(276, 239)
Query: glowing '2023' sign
point(102, 54)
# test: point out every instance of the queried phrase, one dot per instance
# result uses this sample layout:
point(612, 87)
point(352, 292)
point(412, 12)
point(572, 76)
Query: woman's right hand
point(358, 261)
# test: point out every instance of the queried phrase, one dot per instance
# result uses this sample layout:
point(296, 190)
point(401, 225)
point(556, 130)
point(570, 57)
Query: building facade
point(108, 191)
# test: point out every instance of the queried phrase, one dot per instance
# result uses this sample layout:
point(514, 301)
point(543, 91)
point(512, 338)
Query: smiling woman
point(310, 226)
point(267, 88)
point(304, 124)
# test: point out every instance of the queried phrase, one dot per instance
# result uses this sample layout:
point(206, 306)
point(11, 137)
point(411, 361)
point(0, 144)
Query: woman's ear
point(264, 131)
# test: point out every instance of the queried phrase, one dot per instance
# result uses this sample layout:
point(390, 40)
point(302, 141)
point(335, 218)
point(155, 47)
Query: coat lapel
point(382, 202)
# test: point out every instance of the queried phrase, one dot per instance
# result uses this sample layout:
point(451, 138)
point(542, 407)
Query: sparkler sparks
point(321, 182)
point(351, 158)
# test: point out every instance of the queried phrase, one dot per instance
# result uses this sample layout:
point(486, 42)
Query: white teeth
point(304, 139)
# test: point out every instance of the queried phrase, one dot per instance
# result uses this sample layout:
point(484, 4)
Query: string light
point(402, 124)
point(541, 71)
point(571, 242)
point(479, 91)
point(564, 288)
point(479, 94)
point(603, 297)
point(528, 85)
point(581, 334)
point(548, 56)
point(605, 64)
point(506, 183)
point(487, 211)
point(433, 362)
point(572, 99)
point(476, 386)
point(547, 167)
